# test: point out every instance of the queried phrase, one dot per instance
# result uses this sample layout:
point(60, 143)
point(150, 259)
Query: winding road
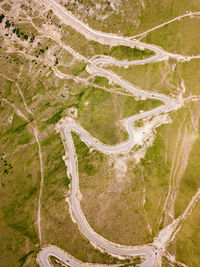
point(148, 252)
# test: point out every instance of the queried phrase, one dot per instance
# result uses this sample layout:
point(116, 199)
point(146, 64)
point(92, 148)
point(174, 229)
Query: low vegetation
point(37, 62)
point(131, 17)
point(190, 73)
point(188, 252)
point(167, 36)
point(19, 188)
point(55, 213)
point(190, 180)
point(153, 77)
point(105, 125)
point(142, 187)
point(102, 190)
point(49, 98)
point(89, 48)
point(76, 69)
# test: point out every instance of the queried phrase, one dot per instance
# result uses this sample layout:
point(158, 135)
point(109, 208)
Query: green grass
point(166, 263)
point(16, 134)
point(156, 166)
point(55, 118)
point(118, 214)
point(19, 192)
point(85, 158)
point(190, 73)
point(89, 48)
point(55, 262)
point(101, 81)
point(55, 213)
point(6, 6)
point(76, 69)
point(101, 125)
point(130, 106)
point(6, 87)
point(153, 77)
point(188, 252)
point(19, 185)
point(8, 69)
point(130, 17)
point(101, 190)
point(124, 52)
point(26, 28)
point(155, 172)
point(170, 37)
point(190, 180)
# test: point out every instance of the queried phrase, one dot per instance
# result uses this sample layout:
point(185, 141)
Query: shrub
point(1, 17)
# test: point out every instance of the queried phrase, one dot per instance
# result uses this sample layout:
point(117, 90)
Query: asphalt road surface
point(146, 251)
